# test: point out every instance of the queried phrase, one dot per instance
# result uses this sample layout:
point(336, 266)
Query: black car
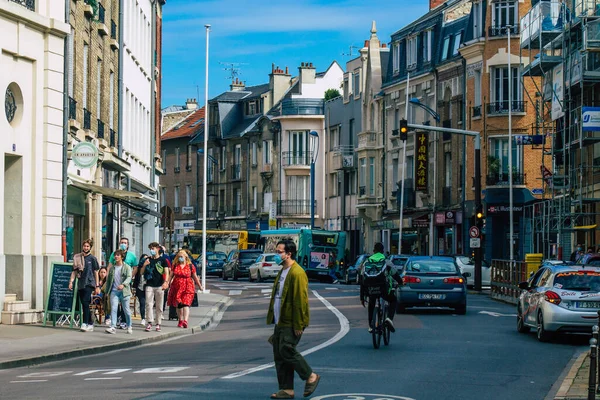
point(350, 273)
point(214, 263)
point(239, 263)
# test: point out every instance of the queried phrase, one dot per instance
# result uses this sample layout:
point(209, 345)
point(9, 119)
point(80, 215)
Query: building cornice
point(20, 14)
point(473, 49)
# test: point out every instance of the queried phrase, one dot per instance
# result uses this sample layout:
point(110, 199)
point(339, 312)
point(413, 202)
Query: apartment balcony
point(541, 64)
point(500, 31)
point(447, 196)
point(87, 119)
point(100, 23)
point(28, 4)
point(296, 159)
point(344, 158)
point(542, 24)
point(502, 179)
point(501, 107)
point(578, 9)
point(370, 140)
point(302, 107)
point(294, 208)
point(236, 172)
point(476, 111)
point(100, 133)
point(114, 43)
point(88, 10)
point(112, 139)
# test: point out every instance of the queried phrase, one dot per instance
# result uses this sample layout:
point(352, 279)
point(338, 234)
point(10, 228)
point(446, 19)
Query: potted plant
point(493, 166)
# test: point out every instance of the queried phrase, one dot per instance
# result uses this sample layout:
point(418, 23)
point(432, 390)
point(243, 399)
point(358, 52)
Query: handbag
point(195, 301)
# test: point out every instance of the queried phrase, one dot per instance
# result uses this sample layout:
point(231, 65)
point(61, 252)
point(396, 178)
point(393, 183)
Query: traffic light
point(479, 217)
point(403, 129)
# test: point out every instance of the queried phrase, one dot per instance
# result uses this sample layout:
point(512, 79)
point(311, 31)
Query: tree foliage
point(331, 94)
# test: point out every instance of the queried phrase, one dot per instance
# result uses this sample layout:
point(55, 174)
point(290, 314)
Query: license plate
point(431, 296)
point(588, 304)
point(322, 273)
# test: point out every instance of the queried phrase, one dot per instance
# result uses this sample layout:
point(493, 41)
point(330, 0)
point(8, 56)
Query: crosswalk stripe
point(266, 291)
point(235, 292)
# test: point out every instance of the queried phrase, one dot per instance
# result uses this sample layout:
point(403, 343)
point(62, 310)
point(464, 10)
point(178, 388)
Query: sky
point(256, 34)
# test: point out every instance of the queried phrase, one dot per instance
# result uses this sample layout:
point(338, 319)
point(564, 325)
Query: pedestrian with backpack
point(377, 271)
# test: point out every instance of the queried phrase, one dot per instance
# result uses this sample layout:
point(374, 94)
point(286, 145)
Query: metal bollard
point(595, 334)
point(592, 381)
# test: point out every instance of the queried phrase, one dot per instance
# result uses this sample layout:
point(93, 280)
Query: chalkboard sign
point(61, 300)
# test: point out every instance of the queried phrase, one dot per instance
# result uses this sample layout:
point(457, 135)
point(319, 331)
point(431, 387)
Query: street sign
point(475, 243)
point(474, 232)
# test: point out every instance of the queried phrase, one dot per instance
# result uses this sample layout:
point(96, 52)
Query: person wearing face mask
point(181, 287)
point(130, 259)
point(85, 268)
point(577, 254)
point(288, 310)
point(156, 272)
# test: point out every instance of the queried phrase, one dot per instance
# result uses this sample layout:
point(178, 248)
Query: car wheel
point(461, 310)
point(234, 276)
point(224, 276)
point(260, 278)
point(542, 334)
point(521, 327)
point(250, 278)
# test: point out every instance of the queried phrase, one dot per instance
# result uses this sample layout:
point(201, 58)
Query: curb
point(204, 324)
point(572, 368)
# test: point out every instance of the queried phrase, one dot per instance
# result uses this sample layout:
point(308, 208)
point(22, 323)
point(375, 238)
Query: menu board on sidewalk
point(60, 301)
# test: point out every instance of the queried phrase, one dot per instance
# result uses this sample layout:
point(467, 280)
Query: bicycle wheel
point(385, 328)
point(376, 325)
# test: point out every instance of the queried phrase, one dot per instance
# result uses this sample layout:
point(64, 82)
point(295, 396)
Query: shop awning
point(500, 196)
point(134, 200)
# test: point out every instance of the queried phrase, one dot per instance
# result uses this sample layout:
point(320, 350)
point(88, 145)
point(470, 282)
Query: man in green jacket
point(289, 312)
point(117, 289)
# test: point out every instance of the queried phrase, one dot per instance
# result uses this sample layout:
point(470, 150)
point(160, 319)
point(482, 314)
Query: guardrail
point(506, 275)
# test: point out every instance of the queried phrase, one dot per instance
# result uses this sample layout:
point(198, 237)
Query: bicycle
point(379, 327)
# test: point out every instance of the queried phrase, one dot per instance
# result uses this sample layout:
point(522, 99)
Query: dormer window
point(477, 12)
point(396, 57)
point(411, 52)
point(251, 108)
point(457, 39)
point(427, 35)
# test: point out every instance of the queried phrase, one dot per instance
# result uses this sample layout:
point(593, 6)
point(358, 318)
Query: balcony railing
point(72, 108)
point(293, 207)
point(113, 30)
point(302, 107)
point(501, 179)
point(236, 172)
point(100, 133)
point(113, 139)
point(446, 196)
point(299, 158)
point(87, 119)
point(496, 31)
point(476, 111)
point(29, 4)
point(101, 13)
point(501, 107)
point(369, 139)
point(266, 168)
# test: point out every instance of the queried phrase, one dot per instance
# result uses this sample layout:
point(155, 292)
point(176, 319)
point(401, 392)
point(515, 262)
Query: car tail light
point(455, 280)
point(552, 297)
point(266, 264)
point(412, 279)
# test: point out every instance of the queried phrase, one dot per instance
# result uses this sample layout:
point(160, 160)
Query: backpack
point(375, 278)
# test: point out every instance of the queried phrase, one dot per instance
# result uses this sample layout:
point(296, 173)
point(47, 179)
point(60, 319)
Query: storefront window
point(74, 235)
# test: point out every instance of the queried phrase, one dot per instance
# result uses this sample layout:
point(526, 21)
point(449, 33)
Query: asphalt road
point(434, 354)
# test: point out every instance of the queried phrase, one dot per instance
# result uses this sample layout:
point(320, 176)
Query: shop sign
point(503, 209)
point(448, 218)
point(187, 210)
point(85, 155)
point(421, 222)
point(422, 161)
point(591, 118)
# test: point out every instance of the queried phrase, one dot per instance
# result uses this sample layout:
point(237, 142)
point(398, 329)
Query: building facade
point(32, 83)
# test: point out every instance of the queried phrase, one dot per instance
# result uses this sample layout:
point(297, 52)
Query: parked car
point(398, 261)
point(350, 272)
point(214, 263)
point(559, 298)
point(432, 281)
point(264, 267)
point(467, 264)
point(238, 263)
point(590, 259)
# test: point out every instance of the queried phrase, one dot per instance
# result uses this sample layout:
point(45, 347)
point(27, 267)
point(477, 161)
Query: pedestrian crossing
point(238, 289)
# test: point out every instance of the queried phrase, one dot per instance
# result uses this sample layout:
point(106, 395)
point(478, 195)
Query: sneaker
point(83, 327)
point(143, 322)
point(184, 324)
point(130, 330)
point(157, 328)
point(89, 328)
point(107, 322)
point(123, 325)
point(148, 327)
point(370, 330)
point(111, 330)
point(390, 325)
point(180, 324)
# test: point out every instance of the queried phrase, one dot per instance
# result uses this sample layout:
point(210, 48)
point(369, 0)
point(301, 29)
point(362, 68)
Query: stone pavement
point(574, 385)
point(24, 345)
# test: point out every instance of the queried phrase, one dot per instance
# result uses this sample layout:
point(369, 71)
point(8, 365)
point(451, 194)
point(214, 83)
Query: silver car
point(559, 298)
point(467, 264)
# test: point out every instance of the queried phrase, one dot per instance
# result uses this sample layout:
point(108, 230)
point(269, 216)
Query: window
point(500, 88)
point(356, 83)
point(447, 169)
point(396, 118)
point(189, 157)
point(99, 89)
point(211, 166)
point(362, 175)
point(86, 62)
point(396, 57)
point(111, 100)
point(176, 202)
point(254, 153)
point(411, 52)
point(333, 192)
point(254, 198)
point(237, 202)
point(427, 45)
point(298, 144)
point(267, 156)
point(445, 48)
point(188, 195)
point(477, 97)
point(164, 160)
point(499, 150)
point(409, 165)
point(351, 132)
point(457, 39)
point(237, 155)
point(346, 88)
point(163, 196)
point(177, 158)
point(477, 19)
point(222, 200)
point(71, 70)
point(504, 13)
point(395, 179)
point(334, 137)
point(223, 160)
point(298, 187)
point(372, 176)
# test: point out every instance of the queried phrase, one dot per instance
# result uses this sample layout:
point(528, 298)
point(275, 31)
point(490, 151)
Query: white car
point(467, 264)
point(264, 267)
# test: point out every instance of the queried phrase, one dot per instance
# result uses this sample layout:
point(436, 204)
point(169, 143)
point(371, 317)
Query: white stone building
point(32, 64)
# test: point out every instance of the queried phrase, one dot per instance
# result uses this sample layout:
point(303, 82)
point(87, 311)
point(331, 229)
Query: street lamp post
point(401, 205)
point(204, 177)
point(314, 144)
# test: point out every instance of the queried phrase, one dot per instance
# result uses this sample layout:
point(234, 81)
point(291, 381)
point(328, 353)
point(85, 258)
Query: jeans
point(116, 297)
point(85, 297)
point(141, 296)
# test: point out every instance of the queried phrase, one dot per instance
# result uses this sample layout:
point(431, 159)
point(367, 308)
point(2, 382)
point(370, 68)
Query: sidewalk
point(574, 386)
point(24, 345)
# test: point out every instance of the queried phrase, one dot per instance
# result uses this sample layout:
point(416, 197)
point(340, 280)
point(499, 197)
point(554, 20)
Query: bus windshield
point(216, 241)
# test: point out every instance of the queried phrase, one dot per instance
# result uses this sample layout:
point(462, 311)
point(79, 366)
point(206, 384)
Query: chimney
point(435, 3)
point(237, 85)
point(307, 74)
point(191, 104)
point(279, 82)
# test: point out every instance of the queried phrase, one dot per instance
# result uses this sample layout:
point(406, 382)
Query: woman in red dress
point(181, 286)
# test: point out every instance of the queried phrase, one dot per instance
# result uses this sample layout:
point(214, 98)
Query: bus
point(319, 252)
point(225, 241)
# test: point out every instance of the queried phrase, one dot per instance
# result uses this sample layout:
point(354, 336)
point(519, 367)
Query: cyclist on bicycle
point(389, 295)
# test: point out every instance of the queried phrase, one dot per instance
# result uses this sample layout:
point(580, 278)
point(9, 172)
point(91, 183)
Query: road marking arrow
point(496, 314)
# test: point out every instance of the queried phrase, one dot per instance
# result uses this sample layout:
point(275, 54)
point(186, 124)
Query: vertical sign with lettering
point(421, 161)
